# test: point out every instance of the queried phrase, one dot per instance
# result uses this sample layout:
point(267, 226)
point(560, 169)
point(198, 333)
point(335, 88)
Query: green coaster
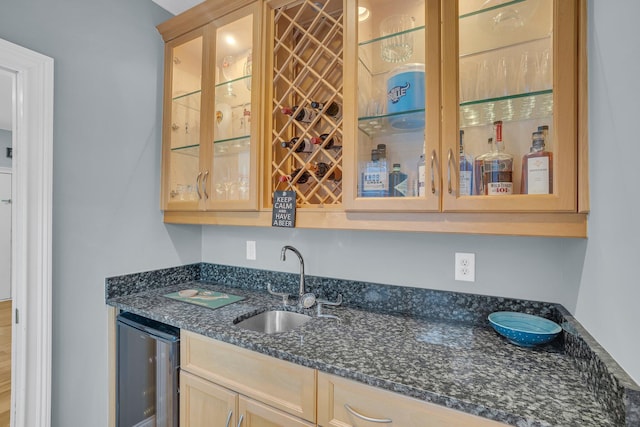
point(205, 298)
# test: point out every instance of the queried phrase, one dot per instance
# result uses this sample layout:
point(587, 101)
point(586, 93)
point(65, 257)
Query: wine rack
point(307, 67)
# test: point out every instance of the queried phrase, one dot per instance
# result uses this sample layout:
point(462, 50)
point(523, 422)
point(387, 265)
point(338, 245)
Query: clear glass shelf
point(395, 123)
point(189, 100)
point(239, 79)
point(534, 105)
point(236, 138)
point(187, 150)
point(369, 52)
point(490, 8)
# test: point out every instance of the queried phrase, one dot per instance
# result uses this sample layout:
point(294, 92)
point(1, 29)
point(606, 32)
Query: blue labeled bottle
point(466, 169)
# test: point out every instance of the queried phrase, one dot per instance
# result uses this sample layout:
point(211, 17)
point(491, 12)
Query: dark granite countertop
point(455, 361)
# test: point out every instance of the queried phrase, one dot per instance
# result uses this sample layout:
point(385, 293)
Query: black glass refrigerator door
point(147, 373)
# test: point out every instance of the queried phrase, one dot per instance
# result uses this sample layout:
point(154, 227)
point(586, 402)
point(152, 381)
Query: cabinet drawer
point(283, 385)
point(383, 408)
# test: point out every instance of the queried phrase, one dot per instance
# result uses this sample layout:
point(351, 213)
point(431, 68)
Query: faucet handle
point(325, 302)
point(285, 297)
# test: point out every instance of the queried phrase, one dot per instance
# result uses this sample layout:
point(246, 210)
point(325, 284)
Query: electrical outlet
point(251, 250)
point(465, 267)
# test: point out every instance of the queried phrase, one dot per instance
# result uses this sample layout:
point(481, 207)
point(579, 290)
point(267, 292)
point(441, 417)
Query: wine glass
point(227, 72)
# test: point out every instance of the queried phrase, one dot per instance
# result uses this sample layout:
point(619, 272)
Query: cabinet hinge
point(17, 317)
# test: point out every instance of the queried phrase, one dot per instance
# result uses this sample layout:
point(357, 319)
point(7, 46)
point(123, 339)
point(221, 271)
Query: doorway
point(31, 75)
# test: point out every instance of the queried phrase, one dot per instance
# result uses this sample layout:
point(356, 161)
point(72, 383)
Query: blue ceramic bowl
point(522, 329)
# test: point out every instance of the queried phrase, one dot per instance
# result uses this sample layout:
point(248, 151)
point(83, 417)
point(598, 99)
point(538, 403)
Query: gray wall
point(609, 299)
point(106, 217)
point(5, 141)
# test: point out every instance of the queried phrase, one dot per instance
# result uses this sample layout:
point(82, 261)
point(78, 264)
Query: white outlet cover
point(251, 250)
point(465, 267)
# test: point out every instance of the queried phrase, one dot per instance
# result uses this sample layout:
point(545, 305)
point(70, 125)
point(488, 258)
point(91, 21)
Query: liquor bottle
point(398, 184)
point(305, 115)
point(466, 169)
point(302, 177)
point(333, 110)
point(478, 169)
point(421, 192)
point(537, 168)
point(498, 167)
point(547, 137)
point(304, 147)
point(373, 179)
point(330, 144)
point(320, 169)
point(383, 165)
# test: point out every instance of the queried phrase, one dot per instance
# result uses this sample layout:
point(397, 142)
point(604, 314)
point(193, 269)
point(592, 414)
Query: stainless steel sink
point(273, 321)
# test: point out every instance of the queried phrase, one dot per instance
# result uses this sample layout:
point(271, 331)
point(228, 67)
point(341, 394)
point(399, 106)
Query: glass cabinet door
point(396, 148)
point(182, 130)
point(234, 115)
point(510, 135)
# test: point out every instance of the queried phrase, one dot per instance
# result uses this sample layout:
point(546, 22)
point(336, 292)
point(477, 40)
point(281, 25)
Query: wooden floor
point(5, 362)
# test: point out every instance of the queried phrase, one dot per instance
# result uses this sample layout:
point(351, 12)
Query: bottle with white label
point(466, 169)
point(537, 168)
point(498, 167)
point(374, 178)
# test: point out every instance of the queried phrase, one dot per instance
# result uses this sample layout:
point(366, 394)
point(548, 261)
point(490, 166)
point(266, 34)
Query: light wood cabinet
point(333, 53)
point(212, 109)
point(267, 388)
point(346, 403)
point(203, 403)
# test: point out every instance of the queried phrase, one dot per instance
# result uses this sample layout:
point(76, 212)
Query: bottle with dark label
point(304, 115)
point(333, 110)
point(537, 168)
point(305, 146)
point(466, 169)
point(398, 184)
point(329, 144)
point(320, 169)
point(300, 175)
point(498, 167)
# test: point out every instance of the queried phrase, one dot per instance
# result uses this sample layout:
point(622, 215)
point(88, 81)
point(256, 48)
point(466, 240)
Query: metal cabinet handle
point(240, 420)
point(204, 184)
point(198, 185)
point(449, 158)
point(364, 417)
point(433, 178)
point(228, 419)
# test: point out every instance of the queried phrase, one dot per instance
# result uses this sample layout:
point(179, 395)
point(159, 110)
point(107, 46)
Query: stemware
point(227, 72)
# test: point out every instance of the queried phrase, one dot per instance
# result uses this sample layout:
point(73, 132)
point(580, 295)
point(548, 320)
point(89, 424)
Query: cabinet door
point(346, 403)
point(393, 78)
point(255, 414)
point(182, 131)
point(233, 122)
point(204, 404)
point(514, 62)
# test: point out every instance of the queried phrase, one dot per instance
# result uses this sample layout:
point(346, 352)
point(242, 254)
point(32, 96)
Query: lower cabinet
point(228, 386)
point(225, 385)
point(345, 403)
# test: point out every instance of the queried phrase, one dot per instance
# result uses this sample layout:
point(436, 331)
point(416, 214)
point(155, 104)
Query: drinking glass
point(227, 72)
point(397, 46)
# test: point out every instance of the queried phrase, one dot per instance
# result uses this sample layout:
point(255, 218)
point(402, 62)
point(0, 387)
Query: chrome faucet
point(306, 299)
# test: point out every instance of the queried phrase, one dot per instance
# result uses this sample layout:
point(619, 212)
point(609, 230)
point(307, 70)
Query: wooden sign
point(284, 209)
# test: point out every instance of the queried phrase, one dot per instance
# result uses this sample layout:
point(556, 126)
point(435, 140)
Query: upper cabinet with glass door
point(236, 97)
point(182, 176)
point(396, 93)
point(210, 139)
point(510, 117)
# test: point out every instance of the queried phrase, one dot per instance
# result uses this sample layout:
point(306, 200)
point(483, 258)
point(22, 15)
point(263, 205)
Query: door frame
point(32, 139)
point(8, 171)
